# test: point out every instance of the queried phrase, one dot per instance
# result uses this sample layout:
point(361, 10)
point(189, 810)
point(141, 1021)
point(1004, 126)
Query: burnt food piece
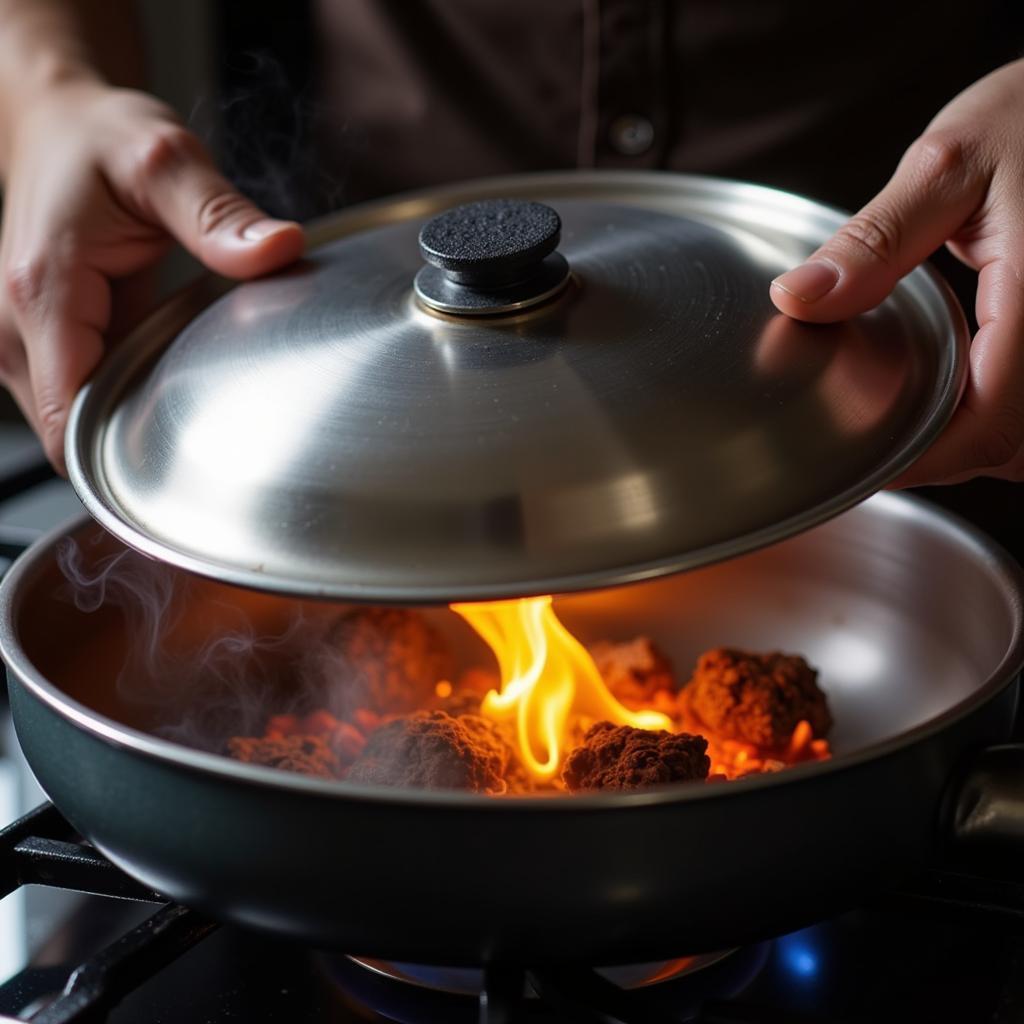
point(308, 755)
point(619, 757)
point(389, 659)
point(635, 670)
point(756, 698)
point(434, 750)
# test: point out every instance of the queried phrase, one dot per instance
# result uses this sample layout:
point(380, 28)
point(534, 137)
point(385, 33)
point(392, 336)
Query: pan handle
point(988, 805)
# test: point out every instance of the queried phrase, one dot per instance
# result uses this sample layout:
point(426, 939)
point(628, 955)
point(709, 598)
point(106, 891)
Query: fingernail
point(810, 281)
point(261, 229)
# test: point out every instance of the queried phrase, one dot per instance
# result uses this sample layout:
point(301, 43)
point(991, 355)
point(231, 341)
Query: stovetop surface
point(875, 964)
point(949, 947)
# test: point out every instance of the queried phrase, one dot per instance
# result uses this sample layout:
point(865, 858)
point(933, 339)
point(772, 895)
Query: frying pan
point(913, 618)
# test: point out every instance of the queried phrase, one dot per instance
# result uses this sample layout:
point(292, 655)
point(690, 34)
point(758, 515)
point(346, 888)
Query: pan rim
point(998, 562)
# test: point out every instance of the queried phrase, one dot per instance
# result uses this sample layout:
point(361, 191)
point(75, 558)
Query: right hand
point(100, 183)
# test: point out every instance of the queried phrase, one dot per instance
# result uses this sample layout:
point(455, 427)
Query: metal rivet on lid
point(631, 134)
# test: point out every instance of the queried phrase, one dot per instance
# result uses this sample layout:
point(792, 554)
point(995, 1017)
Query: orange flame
point(546, 676)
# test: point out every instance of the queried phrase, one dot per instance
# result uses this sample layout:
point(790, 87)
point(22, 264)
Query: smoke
point(270, 147)
point(200, 688)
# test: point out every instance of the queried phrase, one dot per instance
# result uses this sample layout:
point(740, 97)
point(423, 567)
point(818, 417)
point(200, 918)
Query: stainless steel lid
point(326, 432)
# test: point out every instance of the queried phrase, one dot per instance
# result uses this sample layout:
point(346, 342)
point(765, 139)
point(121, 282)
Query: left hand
point(961, 184)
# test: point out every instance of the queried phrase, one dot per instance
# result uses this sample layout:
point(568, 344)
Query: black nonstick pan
point(914, 620)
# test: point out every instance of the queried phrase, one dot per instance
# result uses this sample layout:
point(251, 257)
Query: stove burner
point(630, 994)
point(470, 980)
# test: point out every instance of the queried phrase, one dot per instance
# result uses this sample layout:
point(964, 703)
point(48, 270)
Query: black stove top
point(948, 947)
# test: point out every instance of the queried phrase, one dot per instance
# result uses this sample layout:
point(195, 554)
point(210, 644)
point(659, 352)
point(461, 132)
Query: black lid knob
point(492, 242)
point(492, 256)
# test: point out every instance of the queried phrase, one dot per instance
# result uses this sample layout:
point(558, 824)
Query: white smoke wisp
point(225, 684)
point(271, 140)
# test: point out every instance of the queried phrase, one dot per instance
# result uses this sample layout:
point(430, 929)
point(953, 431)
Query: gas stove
point(80, 941)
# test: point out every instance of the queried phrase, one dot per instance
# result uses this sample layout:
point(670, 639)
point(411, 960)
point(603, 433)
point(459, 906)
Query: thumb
point(223, 229)
point(935, 190)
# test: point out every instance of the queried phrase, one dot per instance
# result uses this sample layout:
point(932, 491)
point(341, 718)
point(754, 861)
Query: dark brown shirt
point(816, 97)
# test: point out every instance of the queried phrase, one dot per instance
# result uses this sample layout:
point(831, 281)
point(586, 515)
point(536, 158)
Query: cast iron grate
point(42, 849)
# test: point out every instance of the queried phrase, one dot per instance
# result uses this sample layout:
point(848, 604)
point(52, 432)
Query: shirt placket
point(629, 83)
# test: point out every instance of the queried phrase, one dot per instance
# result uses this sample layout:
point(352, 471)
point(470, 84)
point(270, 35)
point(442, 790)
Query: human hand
point(960, 184)
point(100, 183)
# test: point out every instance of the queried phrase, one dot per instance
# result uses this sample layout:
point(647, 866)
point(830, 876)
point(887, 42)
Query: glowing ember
point(547, 678)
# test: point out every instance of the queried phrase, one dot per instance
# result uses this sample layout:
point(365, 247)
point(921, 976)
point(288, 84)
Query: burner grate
point(41, 848)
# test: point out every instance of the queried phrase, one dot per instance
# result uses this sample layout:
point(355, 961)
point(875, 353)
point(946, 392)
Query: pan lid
point(515, 386)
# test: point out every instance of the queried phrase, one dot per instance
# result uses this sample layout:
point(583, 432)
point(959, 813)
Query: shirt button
point(631, 134)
